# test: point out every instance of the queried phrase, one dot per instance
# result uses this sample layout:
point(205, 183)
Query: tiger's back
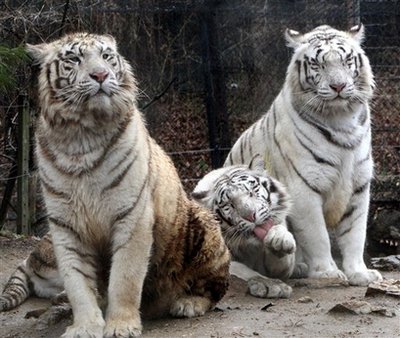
point(188, 253)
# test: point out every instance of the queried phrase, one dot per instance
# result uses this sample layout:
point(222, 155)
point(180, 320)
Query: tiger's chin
point(99, 99)
point(100, 103)
point(336, 107)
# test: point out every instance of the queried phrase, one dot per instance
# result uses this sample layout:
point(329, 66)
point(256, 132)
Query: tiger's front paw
point(92, 330)
point(364, 278)
point(331, 274)
point(119, 328)
point(264, 287)
point(280, 240)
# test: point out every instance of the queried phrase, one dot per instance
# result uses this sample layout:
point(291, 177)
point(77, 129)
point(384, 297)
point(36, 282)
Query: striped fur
point(117, 211)
point(252, 208)
point(36, 275)
point(316, 139)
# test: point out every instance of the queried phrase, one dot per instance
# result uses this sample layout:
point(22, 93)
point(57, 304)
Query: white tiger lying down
point(252, 209)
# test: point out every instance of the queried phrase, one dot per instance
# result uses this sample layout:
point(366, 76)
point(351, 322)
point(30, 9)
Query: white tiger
point(121, 225)
point(252, 208)
point(316, 140)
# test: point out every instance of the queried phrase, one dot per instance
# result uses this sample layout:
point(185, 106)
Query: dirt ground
point(305, 314)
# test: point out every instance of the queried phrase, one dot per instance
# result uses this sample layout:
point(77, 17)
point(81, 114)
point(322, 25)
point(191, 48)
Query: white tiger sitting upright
point(252, 208)
point(316, 140)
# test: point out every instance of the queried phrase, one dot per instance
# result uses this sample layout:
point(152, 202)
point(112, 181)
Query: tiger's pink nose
point(99, 76)
point(338, 87)
point(251, 217)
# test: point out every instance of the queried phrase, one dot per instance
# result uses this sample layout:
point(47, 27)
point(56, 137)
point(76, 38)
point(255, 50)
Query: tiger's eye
point(106, 56)
point(75, 59)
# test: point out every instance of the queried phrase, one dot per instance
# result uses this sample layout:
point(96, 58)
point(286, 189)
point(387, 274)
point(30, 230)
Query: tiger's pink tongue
point(261, 230)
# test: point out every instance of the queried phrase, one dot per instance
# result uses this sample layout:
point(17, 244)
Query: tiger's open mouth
point(261, 230)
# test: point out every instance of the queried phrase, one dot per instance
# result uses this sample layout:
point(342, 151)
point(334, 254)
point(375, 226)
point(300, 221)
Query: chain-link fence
point(207, 69)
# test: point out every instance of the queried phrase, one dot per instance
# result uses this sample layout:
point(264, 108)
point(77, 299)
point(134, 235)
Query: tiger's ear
point(257, 163)
point(37, 52)
point(199, 195)
point(111, 40)
point(357, 32)
point(202, 197)
point(293, 38)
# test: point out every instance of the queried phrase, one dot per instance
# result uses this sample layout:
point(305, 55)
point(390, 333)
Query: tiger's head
point(329, 71)
point(247, 201)
point(82, 75)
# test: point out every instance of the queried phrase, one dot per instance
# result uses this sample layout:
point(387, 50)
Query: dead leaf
point(35, 313)
point(218, 309)
point(266, 307)
point(305, 299)
point(53, 315)
point(318, 283)
point(390, 287)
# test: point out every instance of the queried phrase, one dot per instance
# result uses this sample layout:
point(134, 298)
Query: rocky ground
point(306, 314)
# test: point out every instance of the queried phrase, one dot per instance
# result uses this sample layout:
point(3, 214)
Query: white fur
point(114, 199)
point(81, 195)
point(253, 260)
point(309, 120)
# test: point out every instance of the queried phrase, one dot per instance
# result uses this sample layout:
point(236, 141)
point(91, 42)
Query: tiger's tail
point(36, 275)
point(17, 289)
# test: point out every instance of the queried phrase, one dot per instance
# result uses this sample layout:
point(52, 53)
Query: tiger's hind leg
point(207, 288)
point(300, 268)
point(206, 262)
point(190, 306)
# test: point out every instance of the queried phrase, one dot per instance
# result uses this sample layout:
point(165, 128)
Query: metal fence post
point(7, 194)
point(215, 99)
point(23, 219)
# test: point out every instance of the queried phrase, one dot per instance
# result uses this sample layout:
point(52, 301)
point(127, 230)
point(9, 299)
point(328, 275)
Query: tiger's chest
point(80, 203)
point(330, 163)
point(325, 156)
point(337, 198)
point(89, 202)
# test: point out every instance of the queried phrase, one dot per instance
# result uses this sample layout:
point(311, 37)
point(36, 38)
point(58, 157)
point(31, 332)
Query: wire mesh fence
point(207, 69)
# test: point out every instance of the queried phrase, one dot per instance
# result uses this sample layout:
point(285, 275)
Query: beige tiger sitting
point(252, 208)
point(120, 222)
